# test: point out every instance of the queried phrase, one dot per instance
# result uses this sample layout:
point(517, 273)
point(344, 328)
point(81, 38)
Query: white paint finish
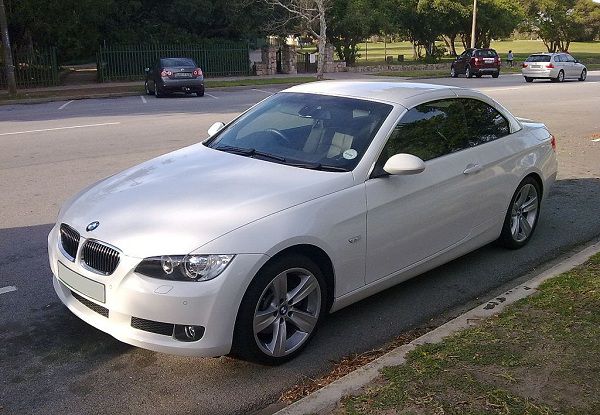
point(143, 99)
point(63, 106)
point(61, 128)
point(325, 399)
point(206, 201)
point(8, 289)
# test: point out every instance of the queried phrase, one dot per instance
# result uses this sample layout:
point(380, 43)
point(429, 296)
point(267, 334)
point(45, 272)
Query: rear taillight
point(197, 72)
point(478, 61)
point(164, 73)
point(553, 142)
point(550, 65)
point(499, 60)
point(524, 65)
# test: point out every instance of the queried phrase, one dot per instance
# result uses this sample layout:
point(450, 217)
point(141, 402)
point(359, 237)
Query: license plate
point(488, 60)
point(81, 284)
point(183, 75)
point(536, 66)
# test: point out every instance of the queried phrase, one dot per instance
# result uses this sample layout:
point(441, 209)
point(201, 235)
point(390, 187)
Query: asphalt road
point(52, 362)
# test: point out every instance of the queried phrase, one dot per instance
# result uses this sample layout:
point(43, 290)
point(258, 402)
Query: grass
point(374, 53)
point(540, 356)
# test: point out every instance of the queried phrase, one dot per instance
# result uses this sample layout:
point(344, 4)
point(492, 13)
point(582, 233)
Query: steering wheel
point(281, 137)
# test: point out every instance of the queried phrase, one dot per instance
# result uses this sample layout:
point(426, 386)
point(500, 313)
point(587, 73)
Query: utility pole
point(8, 59)
point(474, 24)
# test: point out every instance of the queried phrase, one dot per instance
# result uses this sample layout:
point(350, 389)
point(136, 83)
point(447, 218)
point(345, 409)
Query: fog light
point(188, 333)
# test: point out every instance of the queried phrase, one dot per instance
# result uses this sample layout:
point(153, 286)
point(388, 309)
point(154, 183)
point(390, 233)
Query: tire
point(561, 76)
point(528, 79)
point(262, 318)
point(200, 93)
point(522, 215)
point(479, 75)
point(453, 73)
point(583, 75)
point(147, 88)
point(157, 91)
point(496, 74)
point(468, 72)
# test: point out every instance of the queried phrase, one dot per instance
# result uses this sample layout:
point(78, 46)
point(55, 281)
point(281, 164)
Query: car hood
point(178, 202)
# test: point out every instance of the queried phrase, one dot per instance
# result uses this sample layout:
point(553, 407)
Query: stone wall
point(289, 60)
point(399, 68)
point(330, 64)
point(269, 61)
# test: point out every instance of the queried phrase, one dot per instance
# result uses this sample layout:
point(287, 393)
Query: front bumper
point(212, 304)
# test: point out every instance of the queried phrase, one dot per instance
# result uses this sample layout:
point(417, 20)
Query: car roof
point(393, 92)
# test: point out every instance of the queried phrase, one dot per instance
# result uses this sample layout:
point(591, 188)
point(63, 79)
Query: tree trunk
point(452, 46)
point(8, 59)
point(322, 39)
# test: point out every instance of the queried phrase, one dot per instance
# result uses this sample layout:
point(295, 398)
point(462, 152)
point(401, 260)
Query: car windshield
point(305, 130)
point(177, 62)
point(486, 53)
point(538, 58)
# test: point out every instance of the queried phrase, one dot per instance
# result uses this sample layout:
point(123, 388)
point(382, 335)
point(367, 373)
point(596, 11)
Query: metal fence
point(116, 63)
point(33, 69)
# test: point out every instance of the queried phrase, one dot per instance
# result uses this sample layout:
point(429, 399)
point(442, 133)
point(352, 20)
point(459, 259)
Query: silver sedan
point(315, 198)
point(554, 66)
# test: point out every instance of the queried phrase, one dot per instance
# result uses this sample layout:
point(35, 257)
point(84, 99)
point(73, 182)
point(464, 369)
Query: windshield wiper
point(315, 166)
point(236, 150)
point(269, 156)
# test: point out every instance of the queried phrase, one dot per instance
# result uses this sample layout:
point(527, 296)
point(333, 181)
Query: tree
point(559, 22)
point(351, 22)
point(495, 19)
point(9, 66)
point(307, 15)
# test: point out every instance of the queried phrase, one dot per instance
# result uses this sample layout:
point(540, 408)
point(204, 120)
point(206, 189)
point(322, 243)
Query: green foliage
point(352, 21)
point(78, 27)
point(559, 22)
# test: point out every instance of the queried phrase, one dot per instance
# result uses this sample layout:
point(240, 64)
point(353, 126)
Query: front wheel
point(280, 311)
point(522, 215)
point(583, 75)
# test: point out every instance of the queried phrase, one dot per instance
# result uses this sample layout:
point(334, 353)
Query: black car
point(169, 75)
point(476, 62)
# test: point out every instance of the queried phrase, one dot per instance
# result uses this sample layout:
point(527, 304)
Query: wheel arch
point(321, 259)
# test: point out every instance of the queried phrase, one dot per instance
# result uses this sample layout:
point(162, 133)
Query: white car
point(315, 198)
point(554, 66)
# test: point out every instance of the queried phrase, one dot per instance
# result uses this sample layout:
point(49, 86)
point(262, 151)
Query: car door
point(459, 66)
point(574, 71)
point(564, 64)
point(414, 217)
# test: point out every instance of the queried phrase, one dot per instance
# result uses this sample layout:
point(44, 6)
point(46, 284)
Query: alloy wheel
point(583, 75)
point(524, 213)
point(287, 312)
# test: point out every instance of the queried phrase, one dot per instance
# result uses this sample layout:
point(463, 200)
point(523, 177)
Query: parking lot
point(52, 362)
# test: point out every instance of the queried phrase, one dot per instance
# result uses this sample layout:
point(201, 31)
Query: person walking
point(510, 58)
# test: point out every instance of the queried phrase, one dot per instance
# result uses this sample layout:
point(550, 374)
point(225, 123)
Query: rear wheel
point(496, 74)
point(200, 93)
point(522, 215)
point(157, 91)
point(280, 311)
point(453, 73)
point(561, 76)
point(583, 75)
point(468, 72)
point(478, 75)
point(528, 79)
point(147, 88)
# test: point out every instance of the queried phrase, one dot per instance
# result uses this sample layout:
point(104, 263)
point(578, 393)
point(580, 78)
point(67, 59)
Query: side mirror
point(215, 128)
point(404, 164)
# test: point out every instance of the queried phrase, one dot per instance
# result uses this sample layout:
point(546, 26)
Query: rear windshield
point(486, 53)
point(177, 62)
point(538, 58)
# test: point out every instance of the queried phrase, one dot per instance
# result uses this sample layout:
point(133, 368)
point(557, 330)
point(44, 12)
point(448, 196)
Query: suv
point(476, 62)
point(554, 66)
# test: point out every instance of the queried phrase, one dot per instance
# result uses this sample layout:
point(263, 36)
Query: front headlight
point(190, 267)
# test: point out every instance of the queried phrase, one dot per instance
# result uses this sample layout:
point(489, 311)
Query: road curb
point(326, 398)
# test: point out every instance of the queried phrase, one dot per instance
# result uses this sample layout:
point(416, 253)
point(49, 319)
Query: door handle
point(472, 169)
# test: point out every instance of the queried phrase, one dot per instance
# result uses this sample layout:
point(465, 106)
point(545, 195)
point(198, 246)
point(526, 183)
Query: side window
point(484, 123)
point(569, 58)
point(428, 131)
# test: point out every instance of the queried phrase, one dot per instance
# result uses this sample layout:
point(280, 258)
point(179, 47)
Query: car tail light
point(477, 61)
point(498, 60)
point(197, 72)
point(550, 65)
point(553, 142)
point(164, 73)
point(524, 65)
